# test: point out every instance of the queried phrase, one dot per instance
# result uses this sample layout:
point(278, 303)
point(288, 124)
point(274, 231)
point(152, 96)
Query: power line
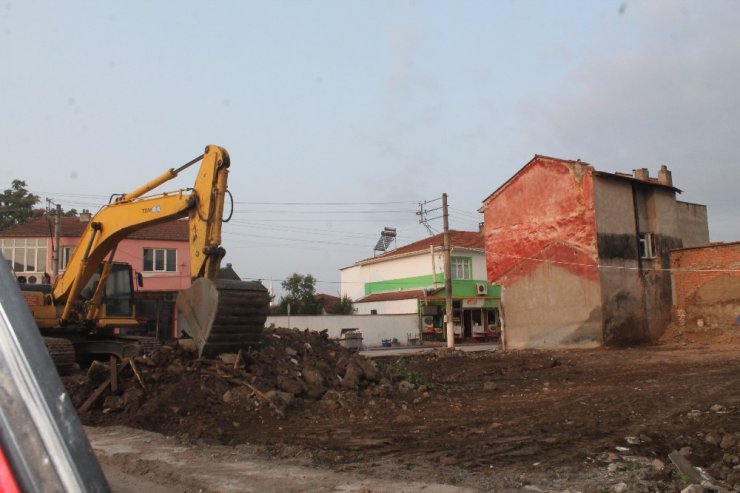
point(104, 199)
point(237, 211)
point(462, 212)
point(313, 231)
point(323, 203)
point(300, 240)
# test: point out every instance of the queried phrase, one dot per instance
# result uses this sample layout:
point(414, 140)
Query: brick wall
point(706, 284)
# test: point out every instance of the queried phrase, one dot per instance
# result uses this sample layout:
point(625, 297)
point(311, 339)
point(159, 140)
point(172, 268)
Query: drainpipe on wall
point(640, 266)
point(503, 319)
point(434, 266)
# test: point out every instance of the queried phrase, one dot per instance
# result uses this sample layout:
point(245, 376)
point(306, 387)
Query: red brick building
point(706, 285)
point(583, 255)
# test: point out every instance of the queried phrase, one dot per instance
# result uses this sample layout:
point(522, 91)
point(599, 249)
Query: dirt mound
point(490, 420)
point(705, 335)
point(172, 391)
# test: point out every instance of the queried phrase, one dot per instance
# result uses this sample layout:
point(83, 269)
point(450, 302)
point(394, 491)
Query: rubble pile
point(173, 391)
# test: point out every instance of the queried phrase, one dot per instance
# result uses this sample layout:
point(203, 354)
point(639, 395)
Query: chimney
point(664, 176)
point(85, 216)
point(641, 174)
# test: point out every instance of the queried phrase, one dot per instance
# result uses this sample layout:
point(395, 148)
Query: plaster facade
point(582, 255)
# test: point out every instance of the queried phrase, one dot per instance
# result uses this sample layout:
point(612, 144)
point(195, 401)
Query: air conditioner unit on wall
point(481, 289)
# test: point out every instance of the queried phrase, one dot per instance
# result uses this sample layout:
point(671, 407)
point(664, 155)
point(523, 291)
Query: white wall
point(479, 263)
point(387, 307)
point(374, 328)
point(354, 278)
point(352, 283)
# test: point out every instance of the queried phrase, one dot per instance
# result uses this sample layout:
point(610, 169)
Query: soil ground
point(439, 420)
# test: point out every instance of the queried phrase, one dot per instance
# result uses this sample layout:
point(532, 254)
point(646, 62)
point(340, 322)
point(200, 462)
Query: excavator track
point(144, 344)
point(223, 315)
point(62, 354)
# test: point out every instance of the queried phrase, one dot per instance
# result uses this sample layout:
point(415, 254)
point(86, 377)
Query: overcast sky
point(342, 116)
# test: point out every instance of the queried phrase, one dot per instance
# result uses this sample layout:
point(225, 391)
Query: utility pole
point(448, 274)
point(57, 236)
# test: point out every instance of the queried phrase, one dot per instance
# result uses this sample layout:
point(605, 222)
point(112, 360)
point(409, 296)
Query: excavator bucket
point(223, 315)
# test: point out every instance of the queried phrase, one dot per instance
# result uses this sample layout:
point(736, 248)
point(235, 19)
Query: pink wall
point(131, 252)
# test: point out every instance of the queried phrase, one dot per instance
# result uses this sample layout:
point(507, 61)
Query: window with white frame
point(66, 254)
point(25, 254)
point(160, 260)
point(461, 267)
point(647, 245)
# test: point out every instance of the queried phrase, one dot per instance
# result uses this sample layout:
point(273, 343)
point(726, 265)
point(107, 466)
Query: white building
point(410, 280)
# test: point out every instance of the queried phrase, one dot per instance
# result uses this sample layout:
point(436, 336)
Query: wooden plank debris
point(264, 398)
point(685, 467)
point(104, 385)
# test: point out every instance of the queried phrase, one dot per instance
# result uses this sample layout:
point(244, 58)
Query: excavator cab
point(119, 292)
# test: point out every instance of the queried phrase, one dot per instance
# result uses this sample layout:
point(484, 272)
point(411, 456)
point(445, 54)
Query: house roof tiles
point(458, 239)
point(43, 227)
point(410, 294)
point(571, 163)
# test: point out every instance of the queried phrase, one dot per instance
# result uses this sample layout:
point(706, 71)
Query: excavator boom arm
point(220, 315)
point(203, 204)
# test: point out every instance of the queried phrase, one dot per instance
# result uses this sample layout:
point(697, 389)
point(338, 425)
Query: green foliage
point(401, 368)
point(344, 307)
point(299, 294)
point(16, 204)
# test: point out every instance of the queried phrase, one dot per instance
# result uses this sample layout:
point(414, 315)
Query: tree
point(16, 204)
point(344, 307)
point(299, 294)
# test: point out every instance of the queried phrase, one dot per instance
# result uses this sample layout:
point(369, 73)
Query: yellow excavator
point(84, 310)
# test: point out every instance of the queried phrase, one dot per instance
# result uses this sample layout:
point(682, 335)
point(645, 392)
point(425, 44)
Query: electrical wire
point(325, 203)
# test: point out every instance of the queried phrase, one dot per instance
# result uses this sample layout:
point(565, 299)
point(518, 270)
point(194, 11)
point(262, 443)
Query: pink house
point(161, 254)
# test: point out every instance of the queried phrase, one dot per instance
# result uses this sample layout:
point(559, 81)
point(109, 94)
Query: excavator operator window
point(118, 292)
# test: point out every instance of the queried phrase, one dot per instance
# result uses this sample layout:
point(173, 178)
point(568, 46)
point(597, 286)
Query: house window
point(66, 254)
point(25, 255)
point(160, 260)
point(461, 267)
point(647, 245)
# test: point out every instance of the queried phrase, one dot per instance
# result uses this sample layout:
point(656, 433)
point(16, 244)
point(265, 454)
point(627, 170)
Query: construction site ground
point(435, 421)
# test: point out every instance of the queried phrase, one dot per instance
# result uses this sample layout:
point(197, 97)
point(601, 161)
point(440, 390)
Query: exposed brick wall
point(687, 265)
point(706, 283)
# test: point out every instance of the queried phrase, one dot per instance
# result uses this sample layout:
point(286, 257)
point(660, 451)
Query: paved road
point(399, 351)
